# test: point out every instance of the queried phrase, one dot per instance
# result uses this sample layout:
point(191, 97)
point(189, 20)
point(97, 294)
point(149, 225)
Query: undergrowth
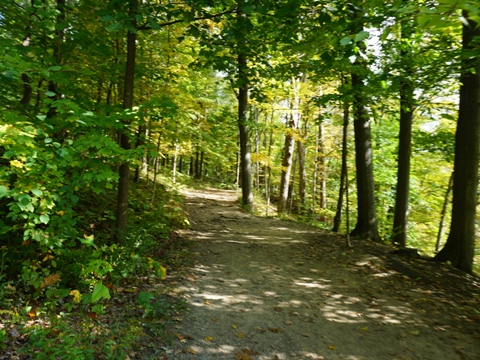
point(97, 298)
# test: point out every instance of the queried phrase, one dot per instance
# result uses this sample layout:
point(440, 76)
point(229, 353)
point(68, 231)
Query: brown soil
point(264, 288)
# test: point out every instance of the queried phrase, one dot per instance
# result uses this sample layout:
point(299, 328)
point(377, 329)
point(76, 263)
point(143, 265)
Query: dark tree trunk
point(400, 219)
point(460, 245)
point(128, 93)
point(366, 226)
point(443, 215)
point(343, 174)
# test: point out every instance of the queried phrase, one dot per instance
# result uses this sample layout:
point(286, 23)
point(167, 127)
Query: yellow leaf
point(16, 163)
point(191, 351)
point(239, 335)
point(210, 338)
point(163, 272)
point(365, 328)
point(48, 257)
point(332, 347)
point(76, 295)
point(234, 326)
point(50, 280)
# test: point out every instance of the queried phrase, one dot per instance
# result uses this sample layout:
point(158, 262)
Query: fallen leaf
point(239, 335)
point(275, 330)
point(365, 328)
point(92, 315)
point(180, 337)
point(33, 312)
point(234, 326)
point(277, 308)
point(210, 338)
point(207, 302)
point(50, 280)
point(332, 347)
point(241, 356)
point(191, 351)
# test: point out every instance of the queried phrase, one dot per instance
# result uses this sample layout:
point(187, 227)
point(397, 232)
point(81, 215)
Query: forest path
point(265, 288)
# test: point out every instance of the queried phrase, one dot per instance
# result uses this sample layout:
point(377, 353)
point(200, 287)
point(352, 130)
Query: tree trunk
point(286, 165)
point(245, 160)
point(343, 174)
point(302, 171)
point(443, 215)
point(124, 169)
point(366, 226)
point(400, 219)
point(460, 245)
point(322, 167)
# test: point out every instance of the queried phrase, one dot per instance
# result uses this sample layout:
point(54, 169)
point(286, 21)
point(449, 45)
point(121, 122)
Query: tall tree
point(128, 96)
point(406, 88)
point(366, 226)
point(459, 248)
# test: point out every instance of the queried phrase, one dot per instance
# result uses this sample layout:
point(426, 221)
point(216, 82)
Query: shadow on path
point(271, 289)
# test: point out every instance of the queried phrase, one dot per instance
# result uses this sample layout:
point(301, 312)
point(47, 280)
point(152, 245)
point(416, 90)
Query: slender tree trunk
point(286, 165)
point(460, 245)
point(302, 170)
point(400, 219)
point(323, 167)
point(128, 94)
point(174, 167)
point(291, 186)
point(315, 173)
point(257, 149)
point(343, 174)
point(443, 215)
point(245, 159)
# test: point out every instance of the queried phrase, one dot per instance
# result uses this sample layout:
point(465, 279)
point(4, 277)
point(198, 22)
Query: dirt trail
point(271, 289)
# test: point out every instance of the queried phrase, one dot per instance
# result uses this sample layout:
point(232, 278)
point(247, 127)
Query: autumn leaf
point(191, 351)
point(239, 335)
point(76, 295)
point(332, 347)
point(50, 280)
point(32, 313)
point(275, 330)
point(16, 163)
point(210, 338)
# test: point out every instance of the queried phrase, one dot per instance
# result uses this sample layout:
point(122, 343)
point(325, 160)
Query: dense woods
point(310, 108)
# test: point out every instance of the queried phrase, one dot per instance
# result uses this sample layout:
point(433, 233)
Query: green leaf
point(346, 41)
point(88, 241)
point(50, 93)
point(3, 191)
point(100, 291)
point(44, 218)
point(37, 192)
point(362, 35)
point(114, 26)
point(55, 68)
point(41, 117)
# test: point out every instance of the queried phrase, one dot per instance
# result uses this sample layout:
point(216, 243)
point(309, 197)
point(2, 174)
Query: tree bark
point(443, 215)
point(460, 245)
point(128, 94)
point(287, 161)
point(245, 158)
point(366, 226)
point(400, 219)
point(343, 173)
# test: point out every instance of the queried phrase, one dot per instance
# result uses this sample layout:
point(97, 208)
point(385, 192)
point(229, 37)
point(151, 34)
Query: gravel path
point(271, 289)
